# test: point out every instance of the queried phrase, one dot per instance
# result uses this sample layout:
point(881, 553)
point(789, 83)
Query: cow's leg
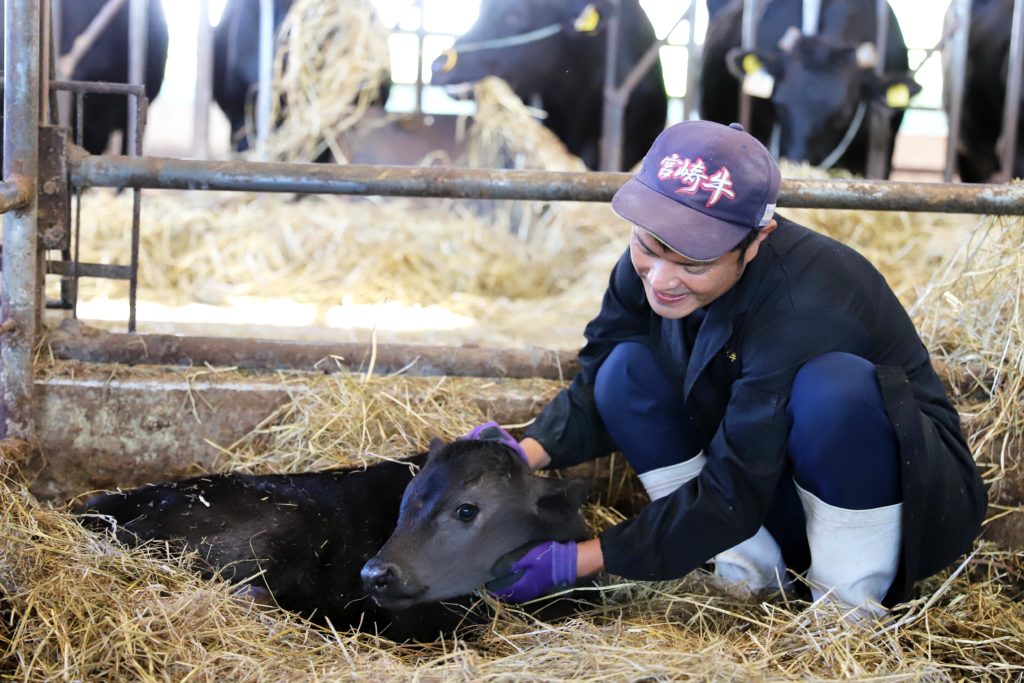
point(845, 456)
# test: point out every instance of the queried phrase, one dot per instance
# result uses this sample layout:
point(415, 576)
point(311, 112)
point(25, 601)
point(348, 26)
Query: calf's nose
point(377, 575)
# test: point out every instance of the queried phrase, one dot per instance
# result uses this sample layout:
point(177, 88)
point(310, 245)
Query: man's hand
point(491, 431)
point(543, 569)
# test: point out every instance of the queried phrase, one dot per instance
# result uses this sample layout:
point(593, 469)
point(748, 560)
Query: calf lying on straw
point(300, 540)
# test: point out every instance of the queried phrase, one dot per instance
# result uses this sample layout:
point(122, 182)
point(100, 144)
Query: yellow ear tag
point(451, 57)
point(588, 20)
point(897, 96)
point(751, 64)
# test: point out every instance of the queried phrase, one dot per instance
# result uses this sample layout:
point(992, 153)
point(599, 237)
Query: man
point(770, 391)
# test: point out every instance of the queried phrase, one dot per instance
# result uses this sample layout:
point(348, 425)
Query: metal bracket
point(54, 195)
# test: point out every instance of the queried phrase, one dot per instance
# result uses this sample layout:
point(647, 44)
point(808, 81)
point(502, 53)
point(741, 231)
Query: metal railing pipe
point(20, 300)
point(471, 183)
point(961, 20)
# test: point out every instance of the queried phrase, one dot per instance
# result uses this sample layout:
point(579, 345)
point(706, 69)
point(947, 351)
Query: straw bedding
point(78, 607)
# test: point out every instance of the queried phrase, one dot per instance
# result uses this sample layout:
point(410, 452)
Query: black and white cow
point(301, 540)
point(107, 61)
point(984, 95)
point(552, 53)
point(812, 91)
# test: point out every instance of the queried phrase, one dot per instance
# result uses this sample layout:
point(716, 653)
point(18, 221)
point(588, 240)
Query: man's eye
point(466, 512)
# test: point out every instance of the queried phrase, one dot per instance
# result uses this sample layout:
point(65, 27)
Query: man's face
point(677, 286)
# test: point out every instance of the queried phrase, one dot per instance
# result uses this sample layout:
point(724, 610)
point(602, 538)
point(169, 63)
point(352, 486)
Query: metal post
point(420, 35)
point(694, 57)
point(45, 38)
point(22, 285)
point(748, 38)
point(880, 129)
point(811, 17)
point(266, 72)
point(204, 83)
point(1011, 107)
point(616, 100)
point(955, 92)
point(137, 38)
point(63, 98)
point(611, 119)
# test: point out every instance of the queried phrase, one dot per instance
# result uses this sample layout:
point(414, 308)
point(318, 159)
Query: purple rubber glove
point(543, 569)
point(490, 431)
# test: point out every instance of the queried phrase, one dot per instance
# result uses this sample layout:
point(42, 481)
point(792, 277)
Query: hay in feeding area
point(78, 606)
point(972, 316)
point(330, 62)
point(507, 133)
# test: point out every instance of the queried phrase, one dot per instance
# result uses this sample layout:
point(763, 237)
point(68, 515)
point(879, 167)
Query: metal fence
point(27, 84)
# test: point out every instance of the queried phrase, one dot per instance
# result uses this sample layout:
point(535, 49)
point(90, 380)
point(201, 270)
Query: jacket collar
point(722, 314)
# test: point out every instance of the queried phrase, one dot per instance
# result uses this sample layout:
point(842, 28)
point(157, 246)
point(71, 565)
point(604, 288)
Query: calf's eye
point(466, 512)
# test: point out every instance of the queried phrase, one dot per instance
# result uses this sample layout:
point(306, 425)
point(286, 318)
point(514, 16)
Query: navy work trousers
point(842, 446)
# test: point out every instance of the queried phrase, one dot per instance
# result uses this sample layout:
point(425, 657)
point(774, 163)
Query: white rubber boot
point(854, 554)
point(754, 565)
point(664, 480)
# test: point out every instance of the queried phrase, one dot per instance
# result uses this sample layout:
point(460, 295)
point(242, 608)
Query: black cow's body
point(303, 538)
point(984, 96)
point(107, 61)
point(819, 83)
point(563, 71)
point(236, 61)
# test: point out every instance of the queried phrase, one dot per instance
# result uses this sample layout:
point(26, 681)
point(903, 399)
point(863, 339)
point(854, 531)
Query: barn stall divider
point(141, 429)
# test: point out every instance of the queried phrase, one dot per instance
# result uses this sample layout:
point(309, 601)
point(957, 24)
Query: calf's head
point(465, 518)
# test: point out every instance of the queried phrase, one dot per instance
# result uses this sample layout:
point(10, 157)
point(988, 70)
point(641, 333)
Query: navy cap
point(702, 188)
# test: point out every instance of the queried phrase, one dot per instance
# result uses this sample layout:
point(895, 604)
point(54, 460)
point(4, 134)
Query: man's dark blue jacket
point(803, 295)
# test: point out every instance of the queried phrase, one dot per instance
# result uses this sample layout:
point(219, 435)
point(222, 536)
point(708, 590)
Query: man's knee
point(842, 443)
point(830, 385)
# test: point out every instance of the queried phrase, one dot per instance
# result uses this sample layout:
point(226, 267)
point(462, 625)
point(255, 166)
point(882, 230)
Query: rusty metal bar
point(21, 297)
point(468, 183)
point(99, 270)
point(99, 88)
point(264, 354)
point(958, 63)
point(1011, 106)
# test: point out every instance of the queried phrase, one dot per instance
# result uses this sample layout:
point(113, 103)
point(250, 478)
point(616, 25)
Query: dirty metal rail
point(260, 354)
point(468, 183)
point(20, 299)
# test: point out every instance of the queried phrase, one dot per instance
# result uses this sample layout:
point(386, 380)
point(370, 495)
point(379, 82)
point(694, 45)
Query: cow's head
point(521, 41)
point(465, 518)
point(820, 90)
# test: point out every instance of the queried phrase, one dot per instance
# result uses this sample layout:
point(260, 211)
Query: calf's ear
point(436, 446)
point(563, 496)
